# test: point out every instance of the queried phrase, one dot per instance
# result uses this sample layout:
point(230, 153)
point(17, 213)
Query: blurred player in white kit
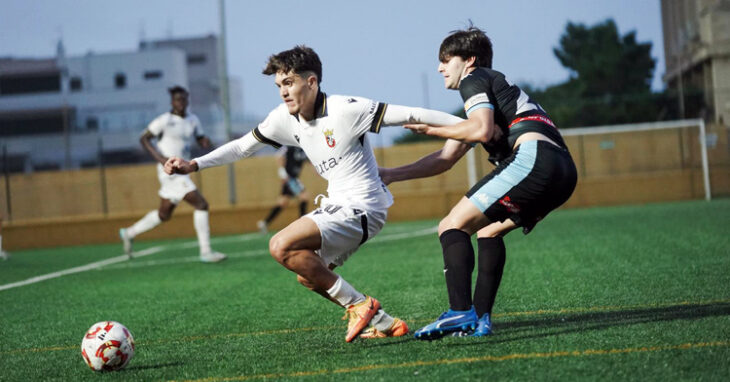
point(173, 131)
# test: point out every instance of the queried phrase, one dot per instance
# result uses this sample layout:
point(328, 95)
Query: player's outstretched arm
point(478, 128)
point(397, 115)
point(430, 165)
point(229, 152)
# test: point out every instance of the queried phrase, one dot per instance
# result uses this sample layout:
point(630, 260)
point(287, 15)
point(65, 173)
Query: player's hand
point(420, 128)
point(176, 165)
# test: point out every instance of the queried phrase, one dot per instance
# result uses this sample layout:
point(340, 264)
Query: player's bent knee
point(448, 223)
point(276, 248)
point(279, 249)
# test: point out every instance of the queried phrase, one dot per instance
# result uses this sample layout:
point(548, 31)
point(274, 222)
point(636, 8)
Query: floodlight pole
point(225, 99)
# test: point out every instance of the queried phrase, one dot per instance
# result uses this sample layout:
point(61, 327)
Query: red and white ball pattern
point(107, 346)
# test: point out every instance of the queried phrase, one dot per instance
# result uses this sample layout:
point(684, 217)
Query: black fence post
point(7, 182)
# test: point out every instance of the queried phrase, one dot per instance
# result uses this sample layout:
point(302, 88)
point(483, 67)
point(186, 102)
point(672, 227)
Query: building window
point(196, 59)
point(152, 74)
point(120, 81)
point(32, 83)
point(92, 124)
point(75, 84)
point(34, 122)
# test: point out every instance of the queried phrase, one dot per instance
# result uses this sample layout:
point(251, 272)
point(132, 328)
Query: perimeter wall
point(86, 206)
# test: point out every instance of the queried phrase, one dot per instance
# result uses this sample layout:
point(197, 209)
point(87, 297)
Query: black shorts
point(292, 187)
point(536, 179)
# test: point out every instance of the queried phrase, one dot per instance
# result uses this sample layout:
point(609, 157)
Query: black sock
point(458, 267)
point(302, 208)
point(489, 273)
point(274, 211)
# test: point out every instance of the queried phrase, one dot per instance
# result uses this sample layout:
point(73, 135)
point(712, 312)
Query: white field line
point(180, 260)
point(251, 253)
point(82, 268)
point(404, 235)
point(189, 244)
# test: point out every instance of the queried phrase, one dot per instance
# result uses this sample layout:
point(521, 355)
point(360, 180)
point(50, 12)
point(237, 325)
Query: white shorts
point(174, 187)
point(344, 229)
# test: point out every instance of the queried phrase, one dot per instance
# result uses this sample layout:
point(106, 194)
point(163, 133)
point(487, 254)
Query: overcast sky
point(381, 49)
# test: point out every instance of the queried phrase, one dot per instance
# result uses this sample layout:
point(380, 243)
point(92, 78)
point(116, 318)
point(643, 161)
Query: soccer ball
point(107, 346)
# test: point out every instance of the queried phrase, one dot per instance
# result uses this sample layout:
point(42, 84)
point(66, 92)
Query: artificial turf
point(632, 292)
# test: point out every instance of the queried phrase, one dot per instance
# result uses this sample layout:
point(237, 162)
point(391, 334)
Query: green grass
point(640, 293)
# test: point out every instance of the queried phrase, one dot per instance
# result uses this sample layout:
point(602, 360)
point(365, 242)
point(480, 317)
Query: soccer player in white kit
point(332, 132)
point(174, 130)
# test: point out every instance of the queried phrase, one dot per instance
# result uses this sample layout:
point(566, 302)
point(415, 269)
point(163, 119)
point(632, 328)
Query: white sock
point(149, 221)
point(382, 321)
point(202, 228)
point(344, 293)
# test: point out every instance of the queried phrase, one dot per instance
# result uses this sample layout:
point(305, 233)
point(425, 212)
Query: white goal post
point(627, 128)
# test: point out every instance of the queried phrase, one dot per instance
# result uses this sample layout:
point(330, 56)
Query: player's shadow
point(575, 323)
point(157, 366)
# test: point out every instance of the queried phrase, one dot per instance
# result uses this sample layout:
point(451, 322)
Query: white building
point(697, 55)
point(56, 112)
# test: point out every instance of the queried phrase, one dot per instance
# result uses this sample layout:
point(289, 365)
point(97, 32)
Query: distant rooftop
point(171, 41)
point(15, 66)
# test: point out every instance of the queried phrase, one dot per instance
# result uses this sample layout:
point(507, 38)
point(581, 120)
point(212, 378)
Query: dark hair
point(300, 59)
point(470, 42)
point(176, 89)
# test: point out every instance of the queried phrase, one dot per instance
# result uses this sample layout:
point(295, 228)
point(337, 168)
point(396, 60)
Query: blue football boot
point(449, 321)
point(484, 326)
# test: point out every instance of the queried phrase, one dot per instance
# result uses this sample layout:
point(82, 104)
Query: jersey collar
point(185, 114)
point(320, 106)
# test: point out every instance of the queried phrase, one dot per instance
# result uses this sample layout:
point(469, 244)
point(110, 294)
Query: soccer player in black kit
point(534, 174)
point(291, 159)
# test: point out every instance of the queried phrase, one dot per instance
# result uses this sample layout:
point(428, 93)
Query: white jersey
point(337, 145)
point(335, 142)
point(174, 133)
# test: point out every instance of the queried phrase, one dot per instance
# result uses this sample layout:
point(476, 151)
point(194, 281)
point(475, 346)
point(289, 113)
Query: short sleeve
point(155, 127)
point(275, 130)
point(475, 92)
point(368, 114)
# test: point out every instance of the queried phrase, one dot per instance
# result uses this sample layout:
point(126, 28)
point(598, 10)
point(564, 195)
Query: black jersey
point(514, 112)
point(294, 158)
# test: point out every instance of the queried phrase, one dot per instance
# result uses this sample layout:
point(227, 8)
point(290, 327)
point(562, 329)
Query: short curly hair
point(177, 89)
point(300, 59)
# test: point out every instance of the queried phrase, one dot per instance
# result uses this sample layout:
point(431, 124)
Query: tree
point(610, 79)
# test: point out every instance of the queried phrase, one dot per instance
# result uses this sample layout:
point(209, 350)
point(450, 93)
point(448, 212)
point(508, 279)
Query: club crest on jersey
point(329, 135)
